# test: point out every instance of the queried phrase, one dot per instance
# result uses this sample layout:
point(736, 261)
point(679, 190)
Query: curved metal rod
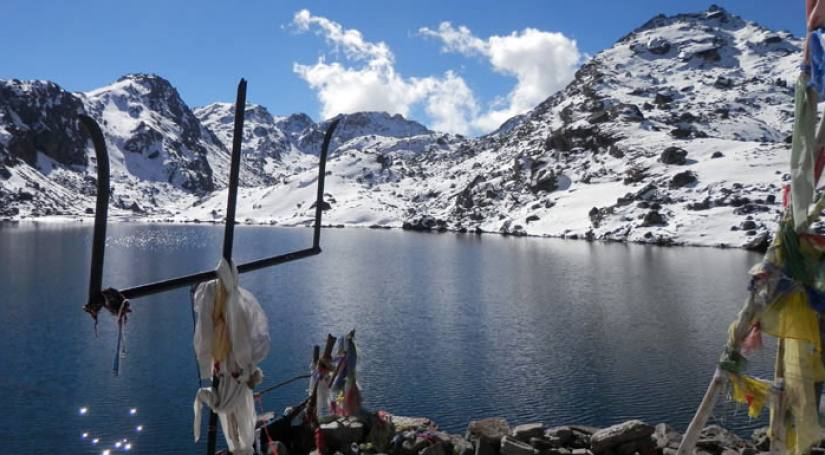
point(101, 212)
point(322, 171)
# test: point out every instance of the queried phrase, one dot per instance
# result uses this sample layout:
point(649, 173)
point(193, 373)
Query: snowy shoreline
point(78, 219)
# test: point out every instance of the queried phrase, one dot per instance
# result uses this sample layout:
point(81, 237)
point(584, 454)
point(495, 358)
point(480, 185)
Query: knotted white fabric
point(249, 341)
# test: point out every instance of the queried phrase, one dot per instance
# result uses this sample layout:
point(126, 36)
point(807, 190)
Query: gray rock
point(666, 436)
point(544, 444)
point(715, 439)
point(512, 446)
point(617, 434)
point(342, 433)
point(562, 434)
point(485, 447)
point(674, 155)
point(491, 429)
point(658, 46)
point(683, 179)
point(653, 218)
point(681, 133)
point(599, 117)
point(760, 439)
point(461, 446)
point(723, 82)
point(528, 430)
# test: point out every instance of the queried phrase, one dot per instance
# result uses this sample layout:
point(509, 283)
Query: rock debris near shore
point(395, 435)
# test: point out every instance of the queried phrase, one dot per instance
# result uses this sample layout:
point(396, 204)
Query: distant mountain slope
point(675, 134)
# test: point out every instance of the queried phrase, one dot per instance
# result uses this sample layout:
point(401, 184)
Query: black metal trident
point(113, 299)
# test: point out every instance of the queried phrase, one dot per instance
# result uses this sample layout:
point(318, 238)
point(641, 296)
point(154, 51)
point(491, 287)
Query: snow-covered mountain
point(264, 144)
point(675, 134)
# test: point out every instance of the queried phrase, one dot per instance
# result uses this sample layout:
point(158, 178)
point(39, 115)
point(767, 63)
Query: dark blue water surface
point(453, 327)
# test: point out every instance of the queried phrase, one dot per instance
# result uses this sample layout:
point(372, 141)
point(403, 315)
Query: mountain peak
point(151, 81)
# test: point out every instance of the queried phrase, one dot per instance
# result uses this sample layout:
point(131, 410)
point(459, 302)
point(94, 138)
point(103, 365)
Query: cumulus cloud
point(542, 63)
point(368, 81)
point(365, 79)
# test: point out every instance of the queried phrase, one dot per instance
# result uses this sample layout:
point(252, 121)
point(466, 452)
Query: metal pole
point(322, 170)
point(101, 208)
point(229, 231)
point(234, 171)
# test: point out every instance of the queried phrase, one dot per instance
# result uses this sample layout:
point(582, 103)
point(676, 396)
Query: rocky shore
point(382, 433)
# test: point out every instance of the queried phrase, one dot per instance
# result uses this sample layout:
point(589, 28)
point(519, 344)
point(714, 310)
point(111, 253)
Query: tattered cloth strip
point(802, 368)
point(790, 317)
point(346, 395)
point(751, 391)
point(816, 51)
point(803, 151)
point(231, 338)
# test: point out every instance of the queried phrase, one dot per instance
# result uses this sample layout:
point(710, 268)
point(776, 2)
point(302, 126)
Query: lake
point(452, 327)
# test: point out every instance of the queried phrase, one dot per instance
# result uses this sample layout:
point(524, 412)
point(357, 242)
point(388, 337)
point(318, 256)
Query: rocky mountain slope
point(675, 134)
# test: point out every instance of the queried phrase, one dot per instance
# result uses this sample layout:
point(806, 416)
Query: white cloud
point(366, 79)
point(369, 81)
point(542, 63)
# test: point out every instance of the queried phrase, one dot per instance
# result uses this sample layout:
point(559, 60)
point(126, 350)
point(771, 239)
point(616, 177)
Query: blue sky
point(204, 47)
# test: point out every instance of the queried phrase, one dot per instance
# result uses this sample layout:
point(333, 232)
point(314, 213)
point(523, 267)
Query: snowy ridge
point(674, 135)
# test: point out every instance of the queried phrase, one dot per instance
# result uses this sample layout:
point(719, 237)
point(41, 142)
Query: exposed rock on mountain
point(675, 134)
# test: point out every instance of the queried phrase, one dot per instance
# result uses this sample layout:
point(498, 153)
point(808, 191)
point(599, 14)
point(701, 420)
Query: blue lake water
point(452, 327)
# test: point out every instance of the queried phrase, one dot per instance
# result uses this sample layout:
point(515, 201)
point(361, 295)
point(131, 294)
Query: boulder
point(491, 429)
point(662, 98)
point(543, 444)
point(342, 433)
point(723, 83)
point(760, 439)
point(758, 243)
point(674, 155)
point(559, 435)
point(681, 133)
point(615, 435)
point(543, 180)
point(324, 205)
point(747, 225)
point(683, 179)
point(528, 430)
point(512, 446)
point(600, 116)
point(460, 445)
point(715, 439)
point(665, 436)
point(653, 218)
point(658, 46)
point(630, 113)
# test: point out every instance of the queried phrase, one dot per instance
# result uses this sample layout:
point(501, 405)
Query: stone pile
point(395, 435)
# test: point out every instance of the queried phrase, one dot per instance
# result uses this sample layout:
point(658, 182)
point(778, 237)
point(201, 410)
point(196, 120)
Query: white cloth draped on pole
point(231, 338)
